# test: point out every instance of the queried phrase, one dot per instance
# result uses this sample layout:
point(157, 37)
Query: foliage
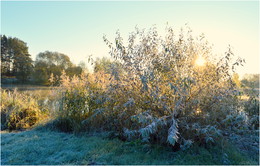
point(51, 64)
point(16, 62)
point(74, 70)
point(20, 111)
point(47, 63)
point(15, 58)
point(52, 59)
point(251, 81)
point(174, 99)
point(251, 107)
point(108, 66)
point(159, 93)
point(5, 57)
point(83, 66)
point(73, 107)
point(151, 91)
point(40, 74)
point(236, 80)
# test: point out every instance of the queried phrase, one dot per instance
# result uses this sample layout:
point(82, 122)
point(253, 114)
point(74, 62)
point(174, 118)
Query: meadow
point(45, 147)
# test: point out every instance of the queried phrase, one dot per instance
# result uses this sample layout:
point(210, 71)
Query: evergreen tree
point(5, 59)
point(15, 58)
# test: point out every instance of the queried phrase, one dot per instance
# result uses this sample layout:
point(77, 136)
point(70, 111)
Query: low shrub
point(19, 111)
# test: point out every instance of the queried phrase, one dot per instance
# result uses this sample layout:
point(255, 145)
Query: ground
point(50, 147)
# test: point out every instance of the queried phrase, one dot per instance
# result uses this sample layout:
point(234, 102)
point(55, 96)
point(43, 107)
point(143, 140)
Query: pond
point(21, 87)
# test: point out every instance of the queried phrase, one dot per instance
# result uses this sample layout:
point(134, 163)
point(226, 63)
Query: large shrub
point(164, 92)
point(165, 95)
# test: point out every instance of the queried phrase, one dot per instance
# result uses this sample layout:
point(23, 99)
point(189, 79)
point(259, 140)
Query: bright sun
point(200, 61)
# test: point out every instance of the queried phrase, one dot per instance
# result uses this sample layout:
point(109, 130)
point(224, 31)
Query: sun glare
point(200, 61)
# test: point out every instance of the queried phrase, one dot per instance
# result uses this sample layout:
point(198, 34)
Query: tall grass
point(21, 110)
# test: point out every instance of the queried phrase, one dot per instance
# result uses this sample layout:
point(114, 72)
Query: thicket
point(161, 93)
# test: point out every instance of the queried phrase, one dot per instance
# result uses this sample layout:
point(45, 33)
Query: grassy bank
point(49, 147)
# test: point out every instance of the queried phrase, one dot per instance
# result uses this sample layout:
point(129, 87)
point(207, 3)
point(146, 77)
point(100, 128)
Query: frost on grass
point(50, 148)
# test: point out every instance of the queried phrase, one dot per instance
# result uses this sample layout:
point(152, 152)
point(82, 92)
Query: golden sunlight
point(198, 111)
point(200, 61)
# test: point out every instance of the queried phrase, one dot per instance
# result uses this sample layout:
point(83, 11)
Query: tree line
point(17, 64)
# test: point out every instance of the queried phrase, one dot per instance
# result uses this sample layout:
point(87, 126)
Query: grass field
point(48, 147)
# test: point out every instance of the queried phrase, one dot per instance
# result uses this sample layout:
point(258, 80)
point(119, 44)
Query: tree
point(74, 70)
point(83, 66)
point(5, 57)
point(108, 66)
point(48, 63)
point(54, 59)
point(251, 81)
point(40, 74)
point(15, 58)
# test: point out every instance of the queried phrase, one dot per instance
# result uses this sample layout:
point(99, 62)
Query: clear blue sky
point(77, 28)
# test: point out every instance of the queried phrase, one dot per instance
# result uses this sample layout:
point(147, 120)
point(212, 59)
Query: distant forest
point(17, 65)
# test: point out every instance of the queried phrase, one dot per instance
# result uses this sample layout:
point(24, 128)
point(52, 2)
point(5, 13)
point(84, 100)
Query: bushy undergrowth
point(161, 94)
point(20, 111)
